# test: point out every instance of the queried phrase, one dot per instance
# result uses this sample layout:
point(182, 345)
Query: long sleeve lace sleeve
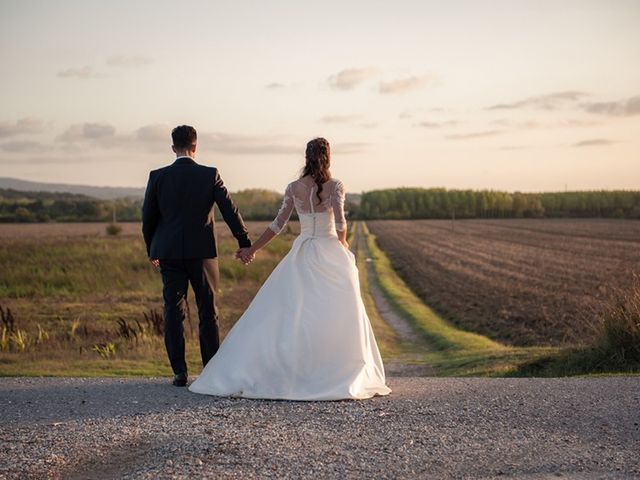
point(285, 211)
point(337, 203)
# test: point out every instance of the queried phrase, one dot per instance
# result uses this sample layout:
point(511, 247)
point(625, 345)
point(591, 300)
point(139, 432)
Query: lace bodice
point(302, 196)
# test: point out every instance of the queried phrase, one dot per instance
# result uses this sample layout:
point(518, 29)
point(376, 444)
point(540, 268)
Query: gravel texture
point(78, 428)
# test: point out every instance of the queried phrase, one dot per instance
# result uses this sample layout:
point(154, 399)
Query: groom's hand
point(246, 255)
point(155, 262)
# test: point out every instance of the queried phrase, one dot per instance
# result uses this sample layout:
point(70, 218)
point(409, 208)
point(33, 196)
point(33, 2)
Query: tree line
point(400, 203)
point(397, 203)
point(27, 207)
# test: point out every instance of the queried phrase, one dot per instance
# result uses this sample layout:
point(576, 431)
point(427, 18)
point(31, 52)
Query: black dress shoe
point(180, 380)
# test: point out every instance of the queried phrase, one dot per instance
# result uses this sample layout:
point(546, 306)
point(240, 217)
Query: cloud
point(465, 136)
point(531, 124)
point(592, 142)
point(574, 122)
point(83, 73)
point(154, 133)
point(28, 125)
point(351, 77)
point(405, 85)
point(95, 136)
point(448, 123)
point(621, 108)
point(87, 132)
point(24, 146)
point(348, 148)
point(124, 61)
point(234, 144)
point(526, 124)
point(549, 101)
point(340, 118)
point(428, 125)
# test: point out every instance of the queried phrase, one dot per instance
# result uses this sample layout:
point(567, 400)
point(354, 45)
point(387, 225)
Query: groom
point(177, 224)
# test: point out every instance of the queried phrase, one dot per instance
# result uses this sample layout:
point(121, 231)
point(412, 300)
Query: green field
point(77, 302)
point(67, 292)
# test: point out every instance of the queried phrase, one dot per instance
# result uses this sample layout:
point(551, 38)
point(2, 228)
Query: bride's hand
point(345, 244)
point(246, 255)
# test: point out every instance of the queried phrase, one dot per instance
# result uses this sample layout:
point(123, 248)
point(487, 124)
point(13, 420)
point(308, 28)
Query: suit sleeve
point(150, 213)
point(230, 212)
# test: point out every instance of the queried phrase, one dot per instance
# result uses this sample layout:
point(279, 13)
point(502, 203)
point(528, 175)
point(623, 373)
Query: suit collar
point(184, 161)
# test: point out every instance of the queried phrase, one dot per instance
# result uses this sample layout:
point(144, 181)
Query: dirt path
point(409, 363)
point(402, 328)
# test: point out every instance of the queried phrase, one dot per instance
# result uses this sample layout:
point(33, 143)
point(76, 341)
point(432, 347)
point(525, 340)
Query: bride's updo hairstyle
point(318, 161)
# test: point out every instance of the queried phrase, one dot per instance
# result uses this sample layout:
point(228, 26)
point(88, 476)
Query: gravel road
point(427, 428)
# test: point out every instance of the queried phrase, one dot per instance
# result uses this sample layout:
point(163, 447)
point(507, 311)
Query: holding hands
point(247, 255)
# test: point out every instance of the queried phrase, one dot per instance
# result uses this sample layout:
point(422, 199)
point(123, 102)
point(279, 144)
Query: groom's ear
point(173, 147)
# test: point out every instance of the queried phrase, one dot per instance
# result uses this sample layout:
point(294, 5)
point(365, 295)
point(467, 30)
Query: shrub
point(155, 322)
point(618, 327)
point(105, 350)
point(113, 229)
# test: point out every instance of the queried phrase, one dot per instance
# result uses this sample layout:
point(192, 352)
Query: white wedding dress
point(306, 334)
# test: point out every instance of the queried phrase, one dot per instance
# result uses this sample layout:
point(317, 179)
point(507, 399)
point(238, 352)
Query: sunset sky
point(516, 95)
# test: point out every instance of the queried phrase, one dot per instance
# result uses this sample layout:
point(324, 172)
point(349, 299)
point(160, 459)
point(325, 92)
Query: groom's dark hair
point(184, 136)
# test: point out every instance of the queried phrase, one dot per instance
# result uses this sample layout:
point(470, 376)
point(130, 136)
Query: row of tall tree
point(18, 206)
point(397, 203)
point(401, 203)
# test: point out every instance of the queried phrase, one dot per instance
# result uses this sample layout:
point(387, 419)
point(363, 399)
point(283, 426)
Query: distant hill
point(103, 193)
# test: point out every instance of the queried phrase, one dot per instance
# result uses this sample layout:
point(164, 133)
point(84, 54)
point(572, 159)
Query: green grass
point(52, 283)
point(386, 337)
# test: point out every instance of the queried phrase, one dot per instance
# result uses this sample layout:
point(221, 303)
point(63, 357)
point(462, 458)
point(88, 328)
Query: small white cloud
point(28, 125)
point(87, 131)
point(405, 85)
point(124, 61)
point(448, 123)
point(349, 78)
point(83, 73)
point(470, 135)
point(550, 101)
point(154, 133)
point(24, 146)
point(621, 108)
point(593, 142)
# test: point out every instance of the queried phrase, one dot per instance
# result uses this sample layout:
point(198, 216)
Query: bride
point(306, 334)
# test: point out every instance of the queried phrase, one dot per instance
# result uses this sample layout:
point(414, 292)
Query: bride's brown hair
point(318, 161)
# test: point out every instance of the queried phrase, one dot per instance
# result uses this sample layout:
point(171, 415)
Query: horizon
point(531, 97)
point(349, 192)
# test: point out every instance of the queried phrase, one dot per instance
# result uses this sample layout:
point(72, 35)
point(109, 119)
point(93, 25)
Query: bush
point(113, 229)
point(618, 327)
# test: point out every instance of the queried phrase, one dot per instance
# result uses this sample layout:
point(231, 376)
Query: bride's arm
point(337, 203)
point(264, 239)
point(342, 236)
point(247, 254)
